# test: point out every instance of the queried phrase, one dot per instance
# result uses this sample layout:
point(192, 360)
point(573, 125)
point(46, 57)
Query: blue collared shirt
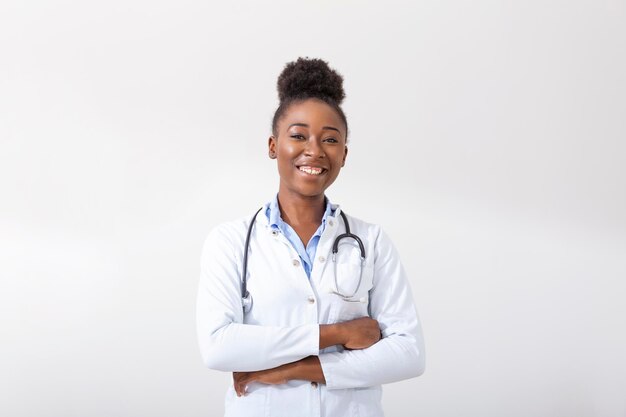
point(306, 254)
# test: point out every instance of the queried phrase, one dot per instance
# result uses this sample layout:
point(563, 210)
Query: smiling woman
point(309, 308)
point(310, 146)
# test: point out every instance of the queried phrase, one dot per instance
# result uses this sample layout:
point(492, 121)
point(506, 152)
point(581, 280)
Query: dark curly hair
point(308, 78)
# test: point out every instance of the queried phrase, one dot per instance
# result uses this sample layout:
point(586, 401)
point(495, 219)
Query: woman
point(317, 333)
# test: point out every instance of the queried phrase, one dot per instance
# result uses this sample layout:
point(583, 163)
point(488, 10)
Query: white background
point(487, 138)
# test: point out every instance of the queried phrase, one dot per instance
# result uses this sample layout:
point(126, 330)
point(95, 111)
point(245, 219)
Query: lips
point(311, 170)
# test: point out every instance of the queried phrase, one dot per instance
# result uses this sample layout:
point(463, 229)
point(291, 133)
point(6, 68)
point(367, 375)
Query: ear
point(271, 147)
point(345, 154)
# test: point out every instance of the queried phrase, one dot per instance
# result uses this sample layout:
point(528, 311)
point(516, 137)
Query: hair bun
point(310, 78)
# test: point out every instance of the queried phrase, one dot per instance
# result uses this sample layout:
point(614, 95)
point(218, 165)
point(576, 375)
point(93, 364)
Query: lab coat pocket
point(351, 298)
point(253, 404)
point(368, 401)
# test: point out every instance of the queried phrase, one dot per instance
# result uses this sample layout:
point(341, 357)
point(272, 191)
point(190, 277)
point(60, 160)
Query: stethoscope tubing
point(245, 294)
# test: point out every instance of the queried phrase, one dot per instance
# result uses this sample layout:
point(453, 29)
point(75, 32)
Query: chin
point(312, 193)
point(309, 192)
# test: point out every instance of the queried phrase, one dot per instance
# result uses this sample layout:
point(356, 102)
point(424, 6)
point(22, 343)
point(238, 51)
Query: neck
point(300, 210)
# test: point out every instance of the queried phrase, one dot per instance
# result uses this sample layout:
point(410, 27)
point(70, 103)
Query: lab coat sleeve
point(226, 344)
point(400, 352)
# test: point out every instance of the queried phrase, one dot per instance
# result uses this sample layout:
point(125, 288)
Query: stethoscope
point(245, 294)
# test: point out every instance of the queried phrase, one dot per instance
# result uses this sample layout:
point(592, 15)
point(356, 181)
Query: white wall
point(490, 136)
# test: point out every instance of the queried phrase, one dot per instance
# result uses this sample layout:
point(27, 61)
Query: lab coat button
point(314, 384)
point(321, 259)
point(311, 300)
point(275, 233)
point(296, 262)
point(331, 223)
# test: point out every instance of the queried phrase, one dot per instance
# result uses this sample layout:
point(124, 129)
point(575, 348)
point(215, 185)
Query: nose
point(314, 148)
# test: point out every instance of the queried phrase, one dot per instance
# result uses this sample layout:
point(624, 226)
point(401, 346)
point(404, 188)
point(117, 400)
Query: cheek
point(285, 165)
point(338, 159)
point(286, 151)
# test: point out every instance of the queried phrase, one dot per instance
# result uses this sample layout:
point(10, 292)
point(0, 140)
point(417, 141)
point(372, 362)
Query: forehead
point(312, 112)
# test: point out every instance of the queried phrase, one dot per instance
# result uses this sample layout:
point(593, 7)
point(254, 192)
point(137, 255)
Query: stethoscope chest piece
point(247, 302)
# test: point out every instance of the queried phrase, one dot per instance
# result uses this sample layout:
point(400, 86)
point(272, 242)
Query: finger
point(237, 385)
point(241, 387)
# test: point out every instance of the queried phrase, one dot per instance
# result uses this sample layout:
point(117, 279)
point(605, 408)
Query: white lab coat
point(288, 307)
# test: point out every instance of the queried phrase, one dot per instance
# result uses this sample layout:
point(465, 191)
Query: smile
point(312, 170)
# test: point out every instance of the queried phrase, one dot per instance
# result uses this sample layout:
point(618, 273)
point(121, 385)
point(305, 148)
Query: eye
point(331, 140)
point(297, 136)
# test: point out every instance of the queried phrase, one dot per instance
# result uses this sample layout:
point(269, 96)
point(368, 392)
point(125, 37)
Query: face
point(310, 148)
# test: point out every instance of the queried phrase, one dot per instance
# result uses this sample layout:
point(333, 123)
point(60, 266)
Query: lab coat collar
point(261, 218)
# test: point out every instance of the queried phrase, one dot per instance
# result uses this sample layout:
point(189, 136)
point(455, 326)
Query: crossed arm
point(274, 354)
point(354, 334)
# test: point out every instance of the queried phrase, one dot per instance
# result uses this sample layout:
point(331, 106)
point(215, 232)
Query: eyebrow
point(306, 125)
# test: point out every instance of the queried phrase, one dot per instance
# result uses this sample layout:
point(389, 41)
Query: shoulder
point(227, 237)
point(375, 237)
point(230, 230)
point(371, 231)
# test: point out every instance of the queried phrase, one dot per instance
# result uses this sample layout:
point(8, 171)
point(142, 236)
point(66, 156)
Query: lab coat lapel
point(324, 247)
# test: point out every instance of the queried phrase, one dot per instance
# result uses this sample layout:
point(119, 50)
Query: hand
point(360, 333)
point(306, 369)
point(274, 376)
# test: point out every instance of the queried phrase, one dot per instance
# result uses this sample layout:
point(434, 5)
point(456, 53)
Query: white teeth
point(311, 170)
